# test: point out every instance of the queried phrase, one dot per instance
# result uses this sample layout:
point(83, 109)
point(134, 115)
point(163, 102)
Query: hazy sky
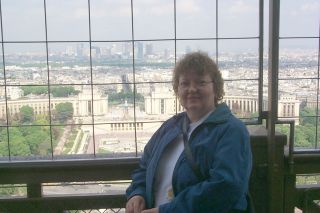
point(23, 20)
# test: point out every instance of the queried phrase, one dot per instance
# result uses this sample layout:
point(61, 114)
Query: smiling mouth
point(193, 97)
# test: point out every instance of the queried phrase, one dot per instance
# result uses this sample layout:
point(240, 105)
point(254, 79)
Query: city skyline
point(111, 21)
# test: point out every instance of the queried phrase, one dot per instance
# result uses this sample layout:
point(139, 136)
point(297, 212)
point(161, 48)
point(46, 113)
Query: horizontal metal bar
point(298, 37)
point(129, 40)
point(99, 169)
point(60, 203)
point(310, 153)
point(304, 163)
point(67, 170)
point(312, 189)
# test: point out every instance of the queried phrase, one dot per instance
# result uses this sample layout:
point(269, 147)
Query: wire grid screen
point(85, 79)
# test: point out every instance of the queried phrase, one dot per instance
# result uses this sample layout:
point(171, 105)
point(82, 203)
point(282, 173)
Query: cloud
point(116, 12)
point(312, 7)
point(164, 8)
point(161, 10)
point(154, 8)
point(302, 10)
point(241, 7)
point(80, 13)
point(188, 6)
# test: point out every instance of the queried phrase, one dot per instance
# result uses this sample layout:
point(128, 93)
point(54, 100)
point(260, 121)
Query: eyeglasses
point(197, 84)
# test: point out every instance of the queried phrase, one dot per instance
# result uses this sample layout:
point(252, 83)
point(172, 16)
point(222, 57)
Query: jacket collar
point(219, 115)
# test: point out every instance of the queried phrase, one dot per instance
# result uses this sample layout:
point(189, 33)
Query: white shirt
point(168, 160)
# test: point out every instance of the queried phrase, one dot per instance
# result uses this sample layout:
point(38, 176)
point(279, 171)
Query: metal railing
point(36, 174)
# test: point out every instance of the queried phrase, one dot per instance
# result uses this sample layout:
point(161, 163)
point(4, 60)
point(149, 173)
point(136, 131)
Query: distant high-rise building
point(149, 49)
point(70, 51)
point(96, 52)
point(125, 83)
point(80, 50)
point(105, 51)
point(127, 49)
point(139, 50)
point(116, 49)
point(166, 54)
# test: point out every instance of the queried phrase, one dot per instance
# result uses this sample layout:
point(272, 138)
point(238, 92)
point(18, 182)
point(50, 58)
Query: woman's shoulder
point(174, 120)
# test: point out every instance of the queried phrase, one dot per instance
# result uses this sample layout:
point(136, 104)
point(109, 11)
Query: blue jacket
point(221, 148)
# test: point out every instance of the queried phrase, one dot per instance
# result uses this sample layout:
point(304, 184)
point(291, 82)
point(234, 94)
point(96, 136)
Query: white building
point(13, 92)
point(288, 106)
point(162, 101)
point(82, 103)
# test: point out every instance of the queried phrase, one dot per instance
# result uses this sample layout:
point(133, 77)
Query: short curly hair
point(202, 64)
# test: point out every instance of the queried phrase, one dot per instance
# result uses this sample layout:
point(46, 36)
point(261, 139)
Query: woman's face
point(196, 94)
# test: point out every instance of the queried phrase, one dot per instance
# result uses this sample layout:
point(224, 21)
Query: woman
point(167, 180)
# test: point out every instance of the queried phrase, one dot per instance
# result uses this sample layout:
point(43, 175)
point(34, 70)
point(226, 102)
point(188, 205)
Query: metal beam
point(275, 180)
point(61, 203)
point(67, 171)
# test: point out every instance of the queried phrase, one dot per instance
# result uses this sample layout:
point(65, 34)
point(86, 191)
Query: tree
point(26, 114)
point(305, 136)
point(307, 116)
point(38, 140)
point(120, 97)
point(18, 144)
point(19, 148)
point(63, 112)
point(56, 91)
point(28, 140)
point(37, 90)
point(3, 148)
point(63, 91)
